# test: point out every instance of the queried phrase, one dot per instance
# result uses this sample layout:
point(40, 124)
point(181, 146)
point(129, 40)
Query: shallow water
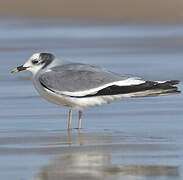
point(139, 139)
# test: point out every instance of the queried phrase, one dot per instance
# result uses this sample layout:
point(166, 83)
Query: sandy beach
point(164, 11)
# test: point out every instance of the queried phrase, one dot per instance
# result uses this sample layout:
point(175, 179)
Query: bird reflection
point(93, 165)
point(70, 137)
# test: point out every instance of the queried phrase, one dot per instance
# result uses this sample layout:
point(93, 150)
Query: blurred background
point(161, 11)
point(138, 139)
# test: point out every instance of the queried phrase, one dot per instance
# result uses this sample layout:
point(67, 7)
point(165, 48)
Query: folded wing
point(84, 80)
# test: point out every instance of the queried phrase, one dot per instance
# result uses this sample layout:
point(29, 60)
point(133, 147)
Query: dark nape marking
point(46, 58)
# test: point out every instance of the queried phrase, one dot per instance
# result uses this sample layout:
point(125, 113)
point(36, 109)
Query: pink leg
point(70, 118)
point(79, 121)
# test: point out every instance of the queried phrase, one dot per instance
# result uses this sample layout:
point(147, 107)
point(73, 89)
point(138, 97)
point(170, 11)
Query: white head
point(36, 62)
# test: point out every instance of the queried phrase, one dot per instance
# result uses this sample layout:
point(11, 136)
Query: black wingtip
point(173, 82)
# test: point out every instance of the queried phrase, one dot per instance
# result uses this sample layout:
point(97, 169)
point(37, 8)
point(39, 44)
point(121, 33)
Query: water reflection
point(99, 165)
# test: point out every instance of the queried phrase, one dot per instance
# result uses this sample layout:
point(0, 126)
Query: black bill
point(19, 68)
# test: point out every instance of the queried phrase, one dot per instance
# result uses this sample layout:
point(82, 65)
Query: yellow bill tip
point(14, 70)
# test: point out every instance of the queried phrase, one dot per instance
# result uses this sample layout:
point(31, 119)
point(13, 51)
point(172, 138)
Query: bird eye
point(35, 61)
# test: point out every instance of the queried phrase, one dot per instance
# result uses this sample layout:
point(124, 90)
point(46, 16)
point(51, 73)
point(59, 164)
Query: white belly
point(50, 96)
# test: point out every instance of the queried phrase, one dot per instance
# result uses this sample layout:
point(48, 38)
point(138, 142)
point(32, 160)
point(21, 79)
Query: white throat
point(34, 70)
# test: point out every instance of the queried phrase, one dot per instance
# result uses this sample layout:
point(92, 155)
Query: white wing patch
point(127, 82)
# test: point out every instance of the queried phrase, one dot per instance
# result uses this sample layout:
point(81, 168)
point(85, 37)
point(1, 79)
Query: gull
point(78, 85)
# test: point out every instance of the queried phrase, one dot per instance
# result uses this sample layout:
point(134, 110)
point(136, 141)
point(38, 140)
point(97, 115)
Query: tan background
point(127, 10)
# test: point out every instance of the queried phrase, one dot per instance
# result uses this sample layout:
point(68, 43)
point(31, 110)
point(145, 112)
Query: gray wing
point(76, 77)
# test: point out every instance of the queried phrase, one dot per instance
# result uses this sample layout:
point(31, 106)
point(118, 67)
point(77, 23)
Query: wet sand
point(128, 139)
point(89, 154)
